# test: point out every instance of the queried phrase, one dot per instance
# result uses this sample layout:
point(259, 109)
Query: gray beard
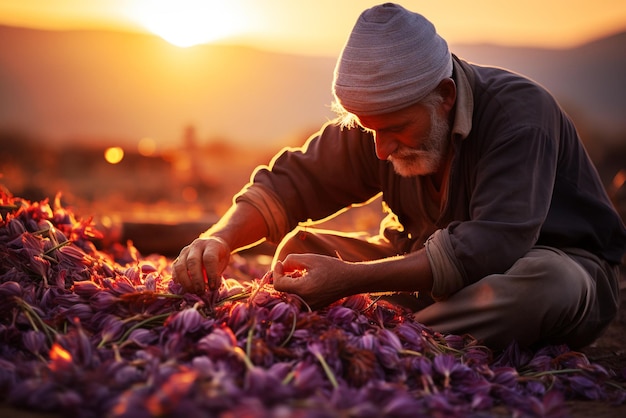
point(409, 162)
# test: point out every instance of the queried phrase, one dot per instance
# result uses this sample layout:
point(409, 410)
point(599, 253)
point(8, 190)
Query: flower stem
point(56, 247)
point(410, 352)
point(35, 319)
point(242, 355)
point(327, 370)
point(160, 317)
point(293, 329)
point(550, 373)
point(249, 338)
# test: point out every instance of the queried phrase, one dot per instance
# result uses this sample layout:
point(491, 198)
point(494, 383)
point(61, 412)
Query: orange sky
point(321, 26)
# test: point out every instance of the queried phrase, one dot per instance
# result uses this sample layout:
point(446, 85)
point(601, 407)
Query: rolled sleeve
point(270, 207)
point(447, 277)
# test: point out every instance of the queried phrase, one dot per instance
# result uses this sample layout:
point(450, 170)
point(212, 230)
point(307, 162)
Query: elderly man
point(497, 224)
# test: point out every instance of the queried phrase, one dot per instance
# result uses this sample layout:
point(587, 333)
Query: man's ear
point(447, 88)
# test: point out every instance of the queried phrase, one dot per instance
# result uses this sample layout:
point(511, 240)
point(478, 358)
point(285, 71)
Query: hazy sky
point(321, 26)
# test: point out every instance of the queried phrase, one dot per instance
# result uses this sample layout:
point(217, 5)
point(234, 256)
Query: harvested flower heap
point(93, 333)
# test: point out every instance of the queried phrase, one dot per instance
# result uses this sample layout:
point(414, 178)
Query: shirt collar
point(462, 124)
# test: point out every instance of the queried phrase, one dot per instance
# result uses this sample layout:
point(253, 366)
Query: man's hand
point(319, 280)
point(201, 264)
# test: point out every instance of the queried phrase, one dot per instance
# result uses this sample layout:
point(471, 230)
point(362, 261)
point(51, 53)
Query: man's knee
point(554, 288)
point(552, 272)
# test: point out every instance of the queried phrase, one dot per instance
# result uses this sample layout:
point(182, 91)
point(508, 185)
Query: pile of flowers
point(90, 333)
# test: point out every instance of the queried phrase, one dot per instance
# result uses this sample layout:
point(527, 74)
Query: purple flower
point(411, 336)
point(73, 254)
point(133, 274)
point(536, 388)
point(505, 376)
point(15, 227)
point(368, 341)
point(76, 341)
point(455, 341)
point(339, 315)
point(447, 366)
point(40, 266)
point(513, 356)
point(103, 300)
point(357, 302)
point(112, 329)
point(307, 378)
point(390, 339)
point(82, 311)
point(185, 321)
point(10, 289)
point(277, 332)
point(477, 357)
point(7, 375)
point(150, 282)
point(125, 374)
point(147, 267)
point(218, 343)
point(281, 311)
point(400, 404)
point(142, 337)
point(238, 316)
point(481, 401)
point(585, 387)
point(266, 384)
point(35, 342)
point(85, 289)
point(552, 405)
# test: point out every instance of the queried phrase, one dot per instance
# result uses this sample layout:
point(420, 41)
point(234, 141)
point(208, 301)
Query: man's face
point(414, 139)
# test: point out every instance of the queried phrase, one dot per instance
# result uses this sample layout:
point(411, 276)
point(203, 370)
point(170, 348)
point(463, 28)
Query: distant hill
point(112, 85)
point(64, 86)
point(589, 80)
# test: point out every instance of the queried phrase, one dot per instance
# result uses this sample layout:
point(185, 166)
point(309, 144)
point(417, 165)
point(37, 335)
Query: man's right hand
point(201, 263)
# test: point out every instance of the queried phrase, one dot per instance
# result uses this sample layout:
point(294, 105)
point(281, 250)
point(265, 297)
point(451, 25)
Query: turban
point(393, 58)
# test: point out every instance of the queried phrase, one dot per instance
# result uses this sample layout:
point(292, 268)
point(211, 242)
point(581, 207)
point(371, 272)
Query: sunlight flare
point(186, 23)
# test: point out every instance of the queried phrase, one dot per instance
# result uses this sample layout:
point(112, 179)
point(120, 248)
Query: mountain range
point(63, 86)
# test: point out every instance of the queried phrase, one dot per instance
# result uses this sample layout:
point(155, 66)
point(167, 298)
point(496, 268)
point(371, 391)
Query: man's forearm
point(242, 226)
point(407, 273)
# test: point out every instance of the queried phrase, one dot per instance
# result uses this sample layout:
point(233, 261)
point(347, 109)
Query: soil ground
point(609, 351)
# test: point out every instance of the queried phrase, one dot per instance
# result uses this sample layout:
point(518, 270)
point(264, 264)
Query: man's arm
point(202, 262)
point(321, 280)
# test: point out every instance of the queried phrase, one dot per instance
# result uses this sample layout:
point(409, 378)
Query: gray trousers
point(549, 296)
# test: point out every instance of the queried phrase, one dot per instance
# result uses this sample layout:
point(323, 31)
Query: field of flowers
point(88, 332)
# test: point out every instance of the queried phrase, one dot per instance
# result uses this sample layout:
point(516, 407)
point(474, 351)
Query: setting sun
point(189, 22)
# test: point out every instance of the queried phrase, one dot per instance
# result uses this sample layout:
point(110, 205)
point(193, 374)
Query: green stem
point(35, 319)
point(249, 338)
point(159, 317)
point(550, 373)
point(327, 370)
point(289, 377)
point(410, 352)
point(293, 329)
point(56, 247)
point(232, 298)
point(242, 355)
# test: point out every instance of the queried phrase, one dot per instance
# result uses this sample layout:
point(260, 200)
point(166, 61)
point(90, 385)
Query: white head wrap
point(392, 59)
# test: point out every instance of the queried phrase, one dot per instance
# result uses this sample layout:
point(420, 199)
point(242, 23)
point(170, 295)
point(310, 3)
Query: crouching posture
point(498, 224)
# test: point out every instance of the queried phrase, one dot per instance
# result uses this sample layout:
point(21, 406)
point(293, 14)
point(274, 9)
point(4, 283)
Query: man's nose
point(385, 146)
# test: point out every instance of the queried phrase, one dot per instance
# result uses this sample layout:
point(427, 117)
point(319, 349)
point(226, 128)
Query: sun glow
point(186, 23)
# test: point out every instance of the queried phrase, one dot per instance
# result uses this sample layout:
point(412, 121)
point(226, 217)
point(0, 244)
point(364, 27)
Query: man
point(497, 217)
